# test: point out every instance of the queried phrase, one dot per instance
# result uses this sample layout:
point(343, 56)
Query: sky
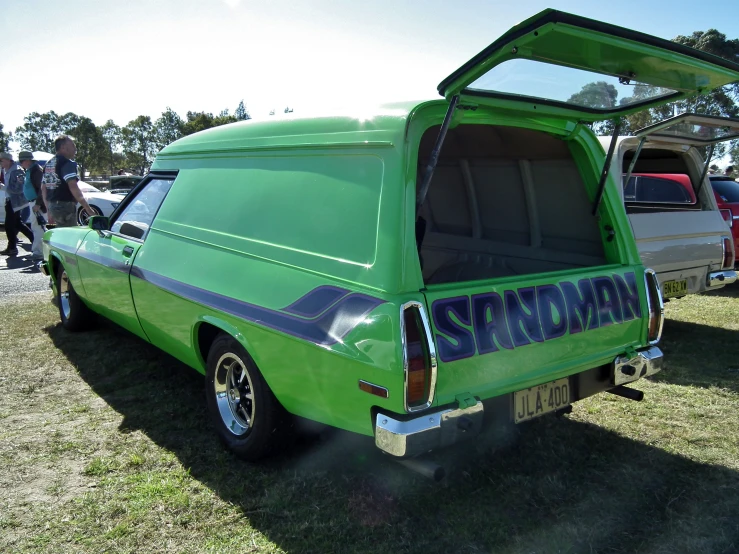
point(117, 60)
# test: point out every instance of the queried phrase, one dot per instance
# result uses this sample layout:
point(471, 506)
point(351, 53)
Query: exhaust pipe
point(427, 468)
point(626, 392)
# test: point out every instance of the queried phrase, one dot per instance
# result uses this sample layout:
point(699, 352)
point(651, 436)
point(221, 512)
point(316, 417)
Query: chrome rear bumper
point(428, 431)
point(721, 278)
point(625, 369)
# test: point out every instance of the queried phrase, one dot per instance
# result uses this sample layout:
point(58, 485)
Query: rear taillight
point(419, 357)
point(728, 262)
point(728, 217)
point(656, 307)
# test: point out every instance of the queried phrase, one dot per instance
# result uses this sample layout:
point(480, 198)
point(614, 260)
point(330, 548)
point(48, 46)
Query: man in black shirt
point(59, 185)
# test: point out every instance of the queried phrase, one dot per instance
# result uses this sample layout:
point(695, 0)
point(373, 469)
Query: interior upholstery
point(504, 201)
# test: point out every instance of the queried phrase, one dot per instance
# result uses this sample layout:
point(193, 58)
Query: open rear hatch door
point(504, 335)
point(585, 69)
point(692, 129)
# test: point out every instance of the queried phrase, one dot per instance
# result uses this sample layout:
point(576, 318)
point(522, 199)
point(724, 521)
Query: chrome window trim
point(431, 351)
point(652, 283)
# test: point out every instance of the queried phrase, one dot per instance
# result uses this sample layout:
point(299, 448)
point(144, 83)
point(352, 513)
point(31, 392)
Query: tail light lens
point(656, 307)
point(728, 262)
point(419, 357)
point(728, 217)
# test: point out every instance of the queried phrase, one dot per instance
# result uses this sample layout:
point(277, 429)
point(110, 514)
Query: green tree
point(241, 114)
point(599, 95)
point(5, 139)
point(112, 137)
point(139, 143)
point(39, 131)
point(168, 128)
point(199, 121)
point(91, 146)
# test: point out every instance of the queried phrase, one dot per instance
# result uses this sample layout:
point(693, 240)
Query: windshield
point(84, 187)
point(728, 190)
point(565, 84)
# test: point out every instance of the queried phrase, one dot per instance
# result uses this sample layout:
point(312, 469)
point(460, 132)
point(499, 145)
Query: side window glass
point(134, 221)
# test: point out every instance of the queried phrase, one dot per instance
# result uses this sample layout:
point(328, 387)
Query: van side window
point(135, 220)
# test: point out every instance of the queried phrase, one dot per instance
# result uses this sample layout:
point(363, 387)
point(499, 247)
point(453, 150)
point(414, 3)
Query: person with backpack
point(32, 192)
point(15, 202)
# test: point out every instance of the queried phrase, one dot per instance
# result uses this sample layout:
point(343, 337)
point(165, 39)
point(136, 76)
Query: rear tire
point(73, 312)
point(245, 413)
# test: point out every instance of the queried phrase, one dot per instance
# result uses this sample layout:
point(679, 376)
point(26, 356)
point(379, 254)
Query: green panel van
point(413, 273)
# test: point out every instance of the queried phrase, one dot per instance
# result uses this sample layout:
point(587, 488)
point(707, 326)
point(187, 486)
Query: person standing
point(60, 192)
point(15, 202)
point(32, 192)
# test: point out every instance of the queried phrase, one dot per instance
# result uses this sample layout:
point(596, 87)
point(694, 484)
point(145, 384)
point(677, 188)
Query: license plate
point(540, 400)
point(675, 288)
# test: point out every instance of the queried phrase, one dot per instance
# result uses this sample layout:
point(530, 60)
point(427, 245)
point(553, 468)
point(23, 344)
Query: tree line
point(109, 147)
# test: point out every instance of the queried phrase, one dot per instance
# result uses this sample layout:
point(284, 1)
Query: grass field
point(104, 447)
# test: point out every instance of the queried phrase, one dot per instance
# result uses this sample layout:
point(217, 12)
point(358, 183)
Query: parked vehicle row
point(424, 272)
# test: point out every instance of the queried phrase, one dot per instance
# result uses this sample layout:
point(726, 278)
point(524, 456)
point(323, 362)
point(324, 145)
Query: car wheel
point(73, 312)
point(82, 216)
point(248, 418)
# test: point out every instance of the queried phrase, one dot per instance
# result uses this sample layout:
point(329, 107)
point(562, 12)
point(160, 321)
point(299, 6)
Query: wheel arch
point(205, 332)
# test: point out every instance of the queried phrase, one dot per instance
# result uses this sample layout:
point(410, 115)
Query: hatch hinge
point(606, 166)
point(434, 158)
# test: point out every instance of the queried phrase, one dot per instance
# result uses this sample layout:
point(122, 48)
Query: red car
point(726, 191)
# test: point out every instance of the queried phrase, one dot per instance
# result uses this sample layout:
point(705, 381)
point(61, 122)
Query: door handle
point(127, 251)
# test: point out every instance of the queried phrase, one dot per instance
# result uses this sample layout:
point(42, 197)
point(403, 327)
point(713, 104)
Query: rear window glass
point(566, 84)
point(727, 190)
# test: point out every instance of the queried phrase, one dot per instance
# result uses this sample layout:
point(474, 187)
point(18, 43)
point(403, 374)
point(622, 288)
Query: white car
point(103, 203)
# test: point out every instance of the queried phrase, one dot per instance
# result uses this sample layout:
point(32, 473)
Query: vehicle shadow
point(729, 291)
point(553, 485)
point(692, 357)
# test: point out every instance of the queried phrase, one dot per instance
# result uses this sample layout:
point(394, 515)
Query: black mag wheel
point(245, 413)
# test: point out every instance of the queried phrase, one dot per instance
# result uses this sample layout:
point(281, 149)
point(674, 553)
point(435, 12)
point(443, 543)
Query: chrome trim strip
point(651, 281)
point(721, 278)
point(428, 431)
point(432, 355)
point(627, 370)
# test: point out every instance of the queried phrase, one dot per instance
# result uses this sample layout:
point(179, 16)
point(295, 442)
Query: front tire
point(82, 216)
point(73, 312)
point(248, 418)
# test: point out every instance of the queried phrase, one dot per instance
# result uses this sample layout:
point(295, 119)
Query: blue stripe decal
point(316, 301)
point(327, 329)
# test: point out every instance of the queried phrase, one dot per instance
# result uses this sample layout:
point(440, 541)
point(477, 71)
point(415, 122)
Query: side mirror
point(99, 223)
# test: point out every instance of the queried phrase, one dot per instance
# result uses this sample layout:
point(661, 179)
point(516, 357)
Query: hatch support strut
point(429, 171)
point(633, 161)
point(606, 167)
point(709, 155)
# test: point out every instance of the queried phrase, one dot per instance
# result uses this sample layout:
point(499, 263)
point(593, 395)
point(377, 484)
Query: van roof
point(381, 125)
